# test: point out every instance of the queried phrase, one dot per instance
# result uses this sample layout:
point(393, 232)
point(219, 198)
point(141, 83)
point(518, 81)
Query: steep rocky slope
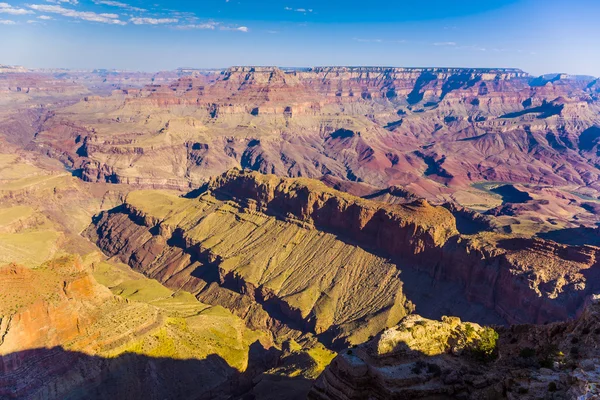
point(64, 335)
point(289, 252)
point(448, 359)
point(75, 326)
point(434, 131)
point(469, 192)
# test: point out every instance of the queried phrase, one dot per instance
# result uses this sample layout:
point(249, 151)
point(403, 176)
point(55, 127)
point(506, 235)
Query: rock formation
point(445, 359)
point(433, 131)
point(252, 243)
point(290, 213)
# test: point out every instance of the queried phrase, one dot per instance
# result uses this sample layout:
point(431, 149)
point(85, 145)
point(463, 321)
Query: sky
point(538, 36)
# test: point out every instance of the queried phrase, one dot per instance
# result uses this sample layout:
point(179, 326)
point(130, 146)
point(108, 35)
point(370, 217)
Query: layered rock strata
point(259, 237)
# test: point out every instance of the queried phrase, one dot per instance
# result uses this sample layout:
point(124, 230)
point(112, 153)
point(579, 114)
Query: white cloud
point(444, 44)
point(153, 21)
point(214, 25)
point(239, 28)
point(7, 22)
point(119, 4)
point(205, 25)
point(104, 18)
point(45, 17)
point(73, 2)
point(8, 9)
point(300, 10)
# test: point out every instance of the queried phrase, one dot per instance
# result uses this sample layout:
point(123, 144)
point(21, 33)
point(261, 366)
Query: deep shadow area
point(458, 81)
point(469, 139)
point(56, 373)
point(433, 297)
point(574, 236)
point(545, 110)
point(393, 125)
point(469, 222)
point(342, 134)
point(511, 194)
point(415, 95)
point(195, 193)
point(436, 298)
point(589, 138)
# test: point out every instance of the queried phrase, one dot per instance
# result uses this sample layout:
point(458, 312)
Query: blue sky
point(537, 36)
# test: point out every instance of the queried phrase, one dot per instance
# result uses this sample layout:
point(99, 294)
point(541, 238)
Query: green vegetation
point(322, 358)
point(527, 352)
point(486, 347)
point(30, 248)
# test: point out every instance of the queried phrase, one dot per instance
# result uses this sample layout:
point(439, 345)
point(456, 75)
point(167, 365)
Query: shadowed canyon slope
point(448, 359)
point(433, 130)
point(73, 325)
point(222, 233)
point(322, 261)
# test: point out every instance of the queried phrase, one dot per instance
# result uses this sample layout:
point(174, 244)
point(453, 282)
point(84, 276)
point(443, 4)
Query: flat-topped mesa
point(441, 72)
point(258, 75)
point(416, 84)
point(399, 230)
point(248, 68)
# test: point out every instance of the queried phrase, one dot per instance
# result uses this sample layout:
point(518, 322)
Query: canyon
point(322, 232)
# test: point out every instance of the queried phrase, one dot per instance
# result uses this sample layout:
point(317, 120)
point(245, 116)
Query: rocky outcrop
point(176, 241)
point(277, 271)
point(437, 130)
point(446, 359)
point(64, 335)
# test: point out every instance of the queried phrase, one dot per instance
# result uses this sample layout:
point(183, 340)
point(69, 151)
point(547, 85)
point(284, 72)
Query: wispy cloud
point(45, 17)
point(444, 44)
point(205, 25)
point(153, 21)
point(212, 25)
point(231, 28)
point(118, 4)
point(7, 22)
point(300, 10)
point(362, 40)
point(73, 2)
point(368, 40)
point(8, 9)
point(104, 18)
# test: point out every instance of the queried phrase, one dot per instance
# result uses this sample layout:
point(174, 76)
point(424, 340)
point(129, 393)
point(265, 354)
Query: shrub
point(486, 349)
point(469, 330)
point(527, 352)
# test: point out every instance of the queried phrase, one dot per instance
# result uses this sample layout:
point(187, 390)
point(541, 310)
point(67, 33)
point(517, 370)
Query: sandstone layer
point(322, 261)
point(434, 131)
